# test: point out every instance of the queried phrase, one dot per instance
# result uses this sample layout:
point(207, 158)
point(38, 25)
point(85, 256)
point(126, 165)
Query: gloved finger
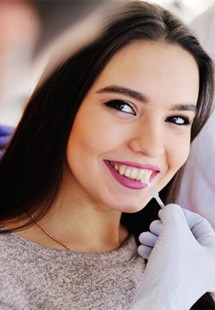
point(1, 153)
point(4, 141)
point(147, 238)
point(174, 221)
point(201, 228)
point(155, 227)
point(144, 251)
point(190, 225)
point(172, 213)
point(6, 130)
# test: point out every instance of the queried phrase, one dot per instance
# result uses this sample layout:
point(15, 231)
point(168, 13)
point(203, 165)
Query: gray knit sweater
point(33, 277)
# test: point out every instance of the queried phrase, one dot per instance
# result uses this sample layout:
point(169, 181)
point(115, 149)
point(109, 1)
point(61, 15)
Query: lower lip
point(129, 183)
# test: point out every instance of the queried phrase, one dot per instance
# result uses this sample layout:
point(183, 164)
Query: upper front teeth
point(141, 175)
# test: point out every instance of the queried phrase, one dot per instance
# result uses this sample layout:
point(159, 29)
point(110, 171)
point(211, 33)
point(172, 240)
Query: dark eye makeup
point(125, 107)
point(121, 105)
point(180, 120)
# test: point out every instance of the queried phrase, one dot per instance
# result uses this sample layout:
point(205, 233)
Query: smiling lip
point(127, 182)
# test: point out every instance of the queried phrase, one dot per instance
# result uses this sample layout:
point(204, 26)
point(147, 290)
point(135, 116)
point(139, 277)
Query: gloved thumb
point(173, 217)
point(201, 228)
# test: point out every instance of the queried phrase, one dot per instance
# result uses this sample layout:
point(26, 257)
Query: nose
point(148, 139)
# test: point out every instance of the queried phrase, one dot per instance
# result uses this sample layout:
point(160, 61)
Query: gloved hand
point(180, 249)
point(5, 135)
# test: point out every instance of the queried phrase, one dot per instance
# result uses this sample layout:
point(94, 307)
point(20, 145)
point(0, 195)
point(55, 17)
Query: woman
point(119, 113)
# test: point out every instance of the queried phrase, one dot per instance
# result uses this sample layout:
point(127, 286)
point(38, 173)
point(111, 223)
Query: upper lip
point(136, 165)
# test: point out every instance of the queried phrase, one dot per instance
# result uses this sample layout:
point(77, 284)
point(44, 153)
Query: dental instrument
point(154, 193)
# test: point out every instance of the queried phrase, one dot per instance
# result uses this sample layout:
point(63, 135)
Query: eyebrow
point(142, 98)
point(184, 107)
point(124, 91)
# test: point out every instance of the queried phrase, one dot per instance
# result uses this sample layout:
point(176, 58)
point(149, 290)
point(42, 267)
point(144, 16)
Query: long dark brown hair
point(31, 169)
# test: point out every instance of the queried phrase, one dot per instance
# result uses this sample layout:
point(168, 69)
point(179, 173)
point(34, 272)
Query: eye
point(121, 105)
point(178, 120)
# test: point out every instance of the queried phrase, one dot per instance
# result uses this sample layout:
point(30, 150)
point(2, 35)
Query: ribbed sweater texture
point(33, 276)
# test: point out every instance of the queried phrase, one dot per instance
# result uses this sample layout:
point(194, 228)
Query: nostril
point(148, 147)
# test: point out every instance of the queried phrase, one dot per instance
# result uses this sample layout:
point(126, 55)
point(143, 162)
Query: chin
point(129, 205)
point(135, 208)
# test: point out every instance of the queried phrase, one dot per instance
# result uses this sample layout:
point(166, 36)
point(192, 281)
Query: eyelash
point(119, 104)
point(185, 120)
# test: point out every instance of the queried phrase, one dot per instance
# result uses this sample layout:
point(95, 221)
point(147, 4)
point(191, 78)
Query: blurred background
point(29, 31)
point(186, 9)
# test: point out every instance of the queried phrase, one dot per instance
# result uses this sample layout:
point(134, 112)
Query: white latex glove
point(180, 249)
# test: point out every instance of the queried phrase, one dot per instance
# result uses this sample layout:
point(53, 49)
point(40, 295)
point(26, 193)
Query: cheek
point(178, 153)
point(82, 152)
point(90, 137)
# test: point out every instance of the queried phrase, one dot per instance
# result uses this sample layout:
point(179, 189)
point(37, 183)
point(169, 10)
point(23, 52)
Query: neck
point(79, 222)
point(85, 228)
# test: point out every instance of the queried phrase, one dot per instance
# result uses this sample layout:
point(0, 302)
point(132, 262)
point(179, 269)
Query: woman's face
point(133, 125)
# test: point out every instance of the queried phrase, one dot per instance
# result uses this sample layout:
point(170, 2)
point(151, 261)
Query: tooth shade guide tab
point(154, 193)
point(146, 176)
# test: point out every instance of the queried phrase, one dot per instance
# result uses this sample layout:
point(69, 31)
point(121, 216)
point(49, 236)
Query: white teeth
point(134, 174)
point(141, 175)
point(121, 170)
point(116, 167)
point(146, 176)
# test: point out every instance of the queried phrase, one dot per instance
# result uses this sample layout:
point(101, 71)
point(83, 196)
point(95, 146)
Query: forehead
point(147, 66)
